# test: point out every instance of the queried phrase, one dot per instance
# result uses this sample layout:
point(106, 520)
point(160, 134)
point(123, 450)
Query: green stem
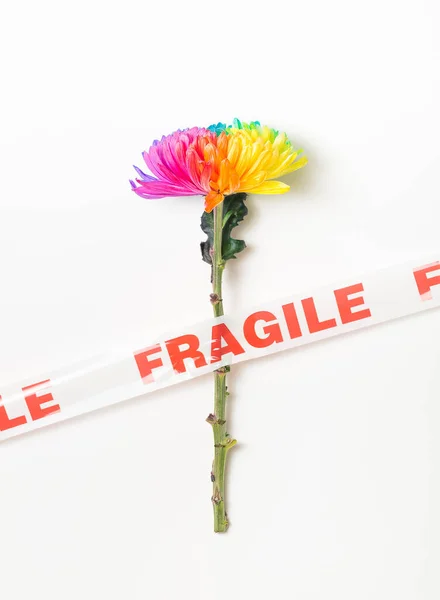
point(218, 264)
point(222, 442)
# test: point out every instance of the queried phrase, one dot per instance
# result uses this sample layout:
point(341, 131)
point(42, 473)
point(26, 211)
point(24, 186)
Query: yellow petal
point(252, 182)
point(234, 150)
point(260, 162)
point(280, 140)
point(283, 166)
point(244, 160)
point(271, 187)
point(255, 152)
point(266, 134)
point(297, 165)
point(274, 160)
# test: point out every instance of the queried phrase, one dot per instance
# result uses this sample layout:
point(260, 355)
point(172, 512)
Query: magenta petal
point(156, 160)
point(161, 188)
point(170, 162)
point(177, 165)
point(140, 193)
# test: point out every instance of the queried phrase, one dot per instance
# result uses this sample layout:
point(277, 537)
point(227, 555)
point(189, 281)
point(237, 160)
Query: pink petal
point(161, 189)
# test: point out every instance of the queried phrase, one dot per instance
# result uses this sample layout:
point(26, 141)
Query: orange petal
point(206, 176)
point(211, 200)
point(223, 178)
point(209, 153)
point(222, 144)
point(234, 182)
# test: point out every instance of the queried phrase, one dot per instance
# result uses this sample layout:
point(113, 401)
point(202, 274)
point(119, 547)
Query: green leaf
point(234, 211)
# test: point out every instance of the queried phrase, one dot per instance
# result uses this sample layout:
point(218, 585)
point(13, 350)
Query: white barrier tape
point(192, 351)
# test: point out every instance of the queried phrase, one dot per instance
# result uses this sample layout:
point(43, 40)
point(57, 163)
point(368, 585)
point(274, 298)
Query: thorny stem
point(222, 441)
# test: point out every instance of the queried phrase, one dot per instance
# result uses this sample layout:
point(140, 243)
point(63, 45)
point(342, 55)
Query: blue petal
point(143, 175)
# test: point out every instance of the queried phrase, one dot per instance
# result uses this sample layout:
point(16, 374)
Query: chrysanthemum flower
point(218, 161)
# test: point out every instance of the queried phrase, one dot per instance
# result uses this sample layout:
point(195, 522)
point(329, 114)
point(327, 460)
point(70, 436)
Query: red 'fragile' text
point(37, 404)
point(260, 329)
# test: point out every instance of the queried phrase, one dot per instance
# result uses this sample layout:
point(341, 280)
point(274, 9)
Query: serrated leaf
point(234, 211)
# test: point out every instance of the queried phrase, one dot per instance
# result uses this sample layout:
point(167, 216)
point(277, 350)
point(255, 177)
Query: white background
point(334, 490)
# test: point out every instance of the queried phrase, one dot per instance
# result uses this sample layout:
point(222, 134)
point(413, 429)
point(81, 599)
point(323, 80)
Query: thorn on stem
point(214, 299)
point(222, 370)
point(211, 419)
point(216, 498)
point(230, 443)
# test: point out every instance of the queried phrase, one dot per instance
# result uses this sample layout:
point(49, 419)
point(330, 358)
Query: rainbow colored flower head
point(218, 161)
